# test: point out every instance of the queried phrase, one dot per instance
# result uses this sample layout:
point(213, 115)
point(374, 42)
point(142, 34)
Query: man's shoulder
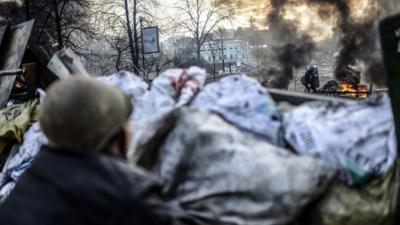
point(122, 166)
point(129, 173)
point(88, 171)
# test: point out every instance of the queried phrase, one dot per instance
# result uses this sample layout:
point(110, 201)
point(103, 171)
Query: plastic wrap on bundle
point(357, 137)
point(218, 174)
point(243, 102)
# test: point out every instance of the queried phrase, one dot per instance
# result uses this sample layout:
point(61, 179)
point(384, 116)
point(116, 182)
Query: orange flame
point(360, 91)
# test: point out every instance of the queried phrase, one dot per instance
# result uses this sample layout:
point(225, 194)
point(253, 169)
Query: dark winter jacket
point(75, 189)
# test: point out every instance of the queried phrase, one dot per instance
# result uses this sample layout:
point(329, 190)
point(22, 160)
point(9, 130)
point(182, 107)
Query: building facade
point(228, 51)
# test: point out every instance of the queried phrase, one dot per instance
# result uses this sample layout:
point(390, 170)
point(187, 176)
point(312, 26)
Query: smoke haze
point(300, 24)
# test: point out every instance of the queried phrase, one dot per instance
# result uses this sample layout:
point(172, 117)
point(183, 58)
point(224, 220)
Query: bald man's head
point(83, 114)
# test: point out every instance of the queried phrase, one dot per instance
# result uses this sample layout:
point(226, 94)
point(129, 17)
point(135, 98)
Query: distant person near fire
point(311, 79)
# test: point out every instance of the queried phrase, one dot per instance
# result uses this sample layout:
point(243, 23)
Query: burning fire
point(360, 91)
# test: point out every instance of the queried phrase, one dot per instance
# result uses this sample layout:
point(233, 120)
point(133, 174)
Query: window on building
point(224, 56)
point(231, 56)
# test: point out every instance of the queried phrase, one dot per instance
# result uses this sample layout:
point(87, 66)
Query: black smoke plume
point(290, 56)
point(294, 54)
point(375, 73)
point(358, 41)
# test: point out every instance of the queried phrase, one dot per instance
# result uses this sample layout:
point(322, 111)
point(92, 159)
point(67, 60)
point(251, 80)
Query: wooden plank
point(15, 44)
point(296, 98)
point(3, 32)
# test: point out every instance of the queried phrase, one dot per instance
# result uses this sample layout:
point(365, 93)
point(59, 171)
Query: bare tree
point(214, 49)
point(120, 19)
point(121, 47)
point(65, 22)
point(58, 23)
point(156, 63)
point(200, 18)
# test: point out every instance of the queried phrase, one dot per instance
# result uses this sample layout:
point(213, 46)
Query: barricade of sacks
point(225, 154)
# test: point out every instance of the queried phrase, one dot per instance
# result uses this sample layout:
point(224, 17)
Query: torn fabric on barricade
point(173, 88)
point(359, 138)
point(21, 158)
point(132, 86)
point(218, 174)
point(14, 120)
point(243, 102)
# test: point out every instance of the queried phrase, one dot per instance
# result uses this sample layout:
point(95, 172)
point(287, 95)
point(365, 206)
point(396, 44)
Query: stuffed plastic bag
point(130, 84)
point(357, 137)
point(20, 158)
point(243, 102)
point(374, 203)
point(217, 174)
point(173, 88)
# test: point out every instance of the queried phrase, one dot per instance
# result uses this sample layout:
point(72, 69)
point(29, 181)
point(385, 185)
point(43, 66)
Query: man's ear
point(121, 144)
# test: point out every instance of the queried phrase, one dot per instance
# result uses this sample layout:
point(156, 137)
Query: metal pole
point(143, 57)
point(223, 56)
point(4, 73)
point(215, 68)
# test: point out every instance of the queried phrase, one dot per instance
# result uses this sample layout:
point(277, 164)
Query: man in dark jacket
point(81, 177)
point(311, 79)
